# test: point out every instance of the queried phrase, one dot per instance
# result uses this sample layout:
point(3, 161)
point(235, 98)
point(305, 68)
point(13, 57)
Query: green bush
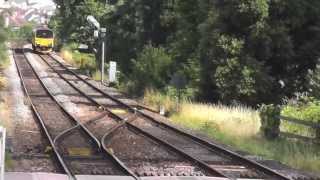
point(3, 31)
point(4, 60)
point(309, 111)
point(270, 121)
point(314, 81)
point(303, 108)
point(151, 69)
point(24, 32)
point(184, 94)
point(84, 61)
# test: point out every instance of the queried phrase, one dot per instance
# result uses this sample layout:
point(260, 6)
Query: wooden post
point(270, 121)
point(81, 61)
point(318, 131)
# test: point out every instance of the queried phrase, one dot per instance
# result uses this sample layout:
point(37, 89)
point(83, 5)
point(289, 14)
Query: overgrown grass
point(96, 75)
point(241, 121)
point(8, 160)
point(307, 111)
point(238, 126)
point(3, 82)
point(4, 58)
point(84, 61)
point(157, 100)
point(21, 34)
point(78, 59)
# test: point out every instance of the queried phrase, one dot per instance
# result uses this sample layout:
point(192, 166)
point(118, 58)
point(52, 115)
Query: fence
point(313, 125)
point(2, 151)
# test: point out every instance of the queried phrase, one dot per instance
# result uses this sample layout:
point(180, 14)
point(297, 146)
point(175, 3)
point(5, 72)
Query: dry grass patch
point(67, 56)
point(239, 126)
point(157, 100)
point(239, 121)
point(3, 82)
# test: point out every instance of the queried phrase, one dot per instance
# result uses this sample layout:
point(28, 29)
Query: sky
point(48, 4)
point(39, 2)
point(43, 2)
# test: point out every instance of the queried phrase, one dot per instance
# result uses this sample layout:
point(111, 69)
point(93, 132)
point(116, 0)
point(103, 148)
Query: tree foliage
point(3, 48)
point(151, 69)
point(229, 50)
point(3, 31)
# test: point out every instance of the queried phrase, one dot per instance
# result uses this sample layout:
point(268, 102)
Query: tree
point(134, 24)
point(228, 50)
point(151, 69)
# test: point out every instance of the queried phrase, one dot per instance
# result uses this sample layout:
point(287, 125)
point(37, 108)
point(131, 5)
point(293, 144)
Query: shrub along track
point(217, 159)
point(75, 149)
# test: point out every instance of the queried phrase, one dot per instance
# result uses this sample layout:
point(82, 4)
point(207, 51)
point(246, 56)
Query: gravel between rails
point(76, 143)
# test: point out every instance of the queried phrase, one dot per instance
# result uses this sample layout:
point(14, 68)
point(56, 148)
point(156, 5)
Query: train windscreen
point(44, 34)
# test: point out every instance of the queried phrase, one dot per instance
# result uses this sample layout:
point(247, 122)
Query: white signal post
point(113, 72)
point(103, 34)
point(102, 31)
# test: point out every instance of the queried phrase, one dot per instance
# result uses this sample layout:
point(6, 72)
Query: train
point(42, 40)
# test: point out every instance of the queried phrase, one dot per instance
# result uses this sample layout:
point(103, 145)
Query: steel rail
point(122, 123)
point(44, 128)
point(64, 133)
point(72, 85)
point(61, 106)
point(197, 161)
point(201, 141)
point(172, 147)
point(116, 160)
point(77, 126)
point(197, 139)
point(97, 118)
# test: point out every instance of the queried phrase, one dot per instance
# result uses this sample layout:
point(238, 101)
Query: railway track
point(218, 159)
point(75, 149)
point(142, 153)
